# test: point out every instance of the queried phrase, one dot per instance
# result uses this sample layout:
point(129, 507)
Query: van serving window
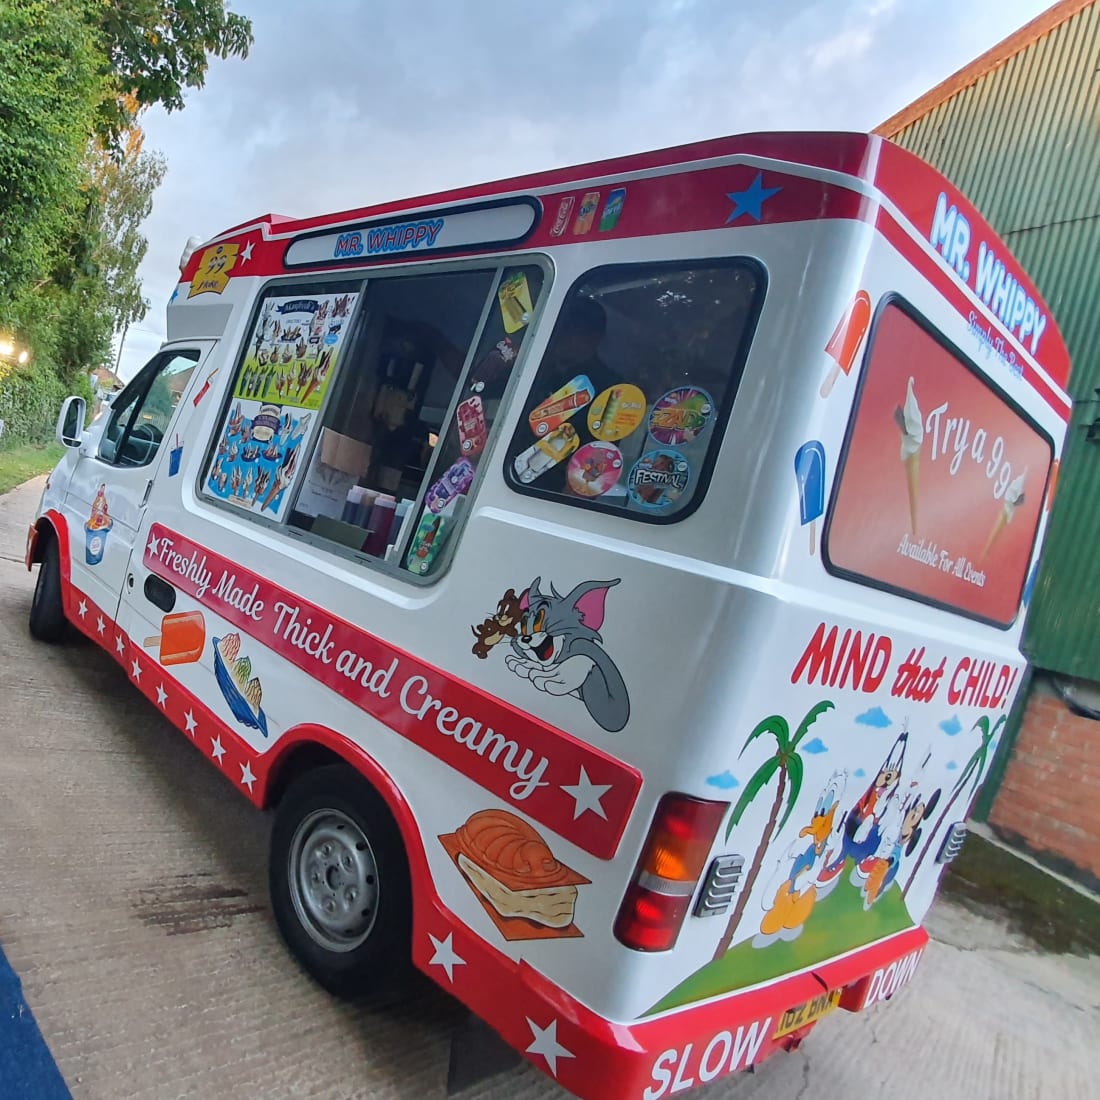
point(635, 387)
point(376, 452)
point(941, 481)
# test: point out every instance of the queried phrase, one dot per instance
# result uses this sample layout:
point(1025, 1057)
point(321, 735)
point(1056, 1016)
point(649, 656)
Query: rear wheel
point(340, 882)
point(47, 619)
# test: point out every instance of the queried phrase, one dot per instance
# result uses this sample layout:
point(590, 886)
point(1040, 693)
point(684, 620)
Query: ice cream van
point(612, 579)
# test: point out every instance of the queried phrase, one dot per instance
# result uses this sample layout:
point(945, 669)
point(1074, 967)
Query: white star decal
point(153, 549)
point(247, 778)
point(162, 695)
point(120, 644)
point(135, 668)
point(82, 609)
point(445, 955)
point(189, 720)
point(546, 1043)
point(587, 795)
point(216, 748)
point(246, 255)
point(100, 625)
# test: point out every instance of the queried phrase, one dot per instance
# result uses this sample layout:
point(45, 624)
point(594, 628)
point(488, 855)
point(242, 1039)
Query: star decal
point(135, 668)
point(82, 609)
point(445, 955)
point(546, 1043)
point(100, 624)
point(247, 778)
point(175, 295)
point(153, 549)
point(751, 200)
point(216, 749)
point(246, 255)
point(120, 644)
point(189, 720)
point(162, 695)
point(587, 795)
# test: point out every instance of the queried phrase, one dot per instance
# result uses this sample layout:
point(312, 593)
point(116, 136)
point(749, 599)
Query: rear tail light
point(672, 860)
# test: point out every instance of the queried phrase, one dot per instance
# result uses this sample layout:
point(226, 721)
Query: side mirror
point(70, 423)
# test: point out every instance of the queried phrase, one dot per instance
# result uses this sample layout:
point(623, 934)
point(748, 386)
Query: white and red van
point(612, 578)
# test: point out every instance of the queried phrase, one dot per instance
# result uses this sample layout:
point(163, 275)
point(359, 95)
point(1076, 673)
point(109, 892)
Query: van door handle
point(148, 490)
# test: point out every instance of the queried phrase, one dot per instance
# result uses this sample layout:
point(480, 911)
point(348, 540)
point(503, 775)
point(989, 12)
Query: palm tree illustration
point(787, 765)
point(974, 770)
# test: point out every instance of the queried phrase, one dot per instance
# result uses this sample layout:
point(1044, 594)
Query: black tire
point(47, 619)
point(368, 888)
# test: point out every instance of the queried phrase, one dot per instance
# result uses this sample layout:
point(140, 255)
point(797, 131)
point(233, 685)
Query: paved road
point(133, 906)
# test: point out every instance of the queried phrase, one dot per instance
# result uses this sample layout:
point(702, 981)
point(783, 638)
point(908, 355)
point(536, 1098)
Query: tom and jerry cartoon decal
point(556, 645)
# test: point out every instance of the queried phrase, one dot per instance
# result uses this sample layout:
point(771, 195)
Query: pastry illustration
point(909, 419)
point(527, 892)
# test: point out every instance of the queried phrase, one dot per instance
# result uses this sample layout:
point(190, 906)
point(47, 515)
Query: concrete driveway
point(133, 904)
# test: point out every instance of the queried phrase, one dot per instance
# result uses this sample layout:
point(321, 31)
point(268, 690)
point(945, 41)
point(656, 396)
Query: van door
point(110, 483)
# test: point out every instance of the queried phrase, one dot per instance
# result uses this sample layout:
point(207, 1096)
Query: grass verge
point(29, 460)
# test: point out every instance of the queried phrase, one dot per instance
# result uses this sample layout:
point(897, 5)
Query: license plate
point(812, 1011)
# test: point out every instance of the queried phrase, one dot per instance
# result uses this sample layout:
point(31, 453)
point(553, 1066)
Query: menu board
point(272, 418)
point(942, 481)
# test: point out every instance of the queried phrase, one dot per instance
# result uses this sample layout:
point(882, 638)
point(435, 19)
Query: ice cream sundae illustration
point(97, 528)
point(1014, 497)
point(911, 423)
point(242, 690)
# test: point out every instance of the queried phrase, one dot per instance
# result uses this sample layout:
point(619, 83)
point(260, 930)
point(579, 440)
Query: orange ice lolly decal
point(846, 338)
point(182, 638)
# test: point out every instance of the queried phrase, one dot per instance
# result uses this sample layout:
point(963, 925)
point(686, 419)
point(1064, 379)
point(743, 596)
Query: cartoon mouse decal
point(556, 645)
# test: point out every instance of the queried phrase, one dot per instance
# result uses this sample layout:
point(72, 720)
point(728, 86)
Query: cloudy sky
point(342, 103)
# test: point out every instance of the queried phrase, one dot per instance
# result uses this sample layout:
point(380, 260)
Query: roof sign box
point(483, 226)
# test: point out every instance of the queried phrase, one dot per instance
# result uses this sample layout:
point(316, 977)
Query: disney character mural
point(556, 645)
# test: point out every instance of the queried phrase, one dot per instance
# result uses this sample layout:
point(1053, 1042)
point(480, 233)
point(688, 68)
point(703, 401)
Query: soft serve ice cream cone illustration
point(911, 423)
point(1014, 497)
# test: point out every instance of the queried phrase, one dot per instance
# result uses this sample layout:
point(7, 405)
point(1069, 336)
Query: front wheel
point(339, 882)
point(47, 619)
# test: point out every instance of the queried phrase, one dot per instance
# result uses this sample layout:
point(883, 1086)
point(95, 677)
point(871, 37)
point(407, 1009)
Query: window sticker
point(294, 347)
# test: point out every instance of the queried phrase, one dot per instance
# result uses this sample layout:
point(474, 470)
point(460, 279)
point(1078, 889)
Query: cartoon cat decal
point(556, 645)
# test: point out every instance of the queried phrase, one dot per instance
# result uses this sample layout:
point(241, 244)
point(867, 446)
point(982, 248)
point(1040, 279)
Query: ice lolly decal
point(846, 339)
point(182, 638)
point(909, 419)
point(809, 469)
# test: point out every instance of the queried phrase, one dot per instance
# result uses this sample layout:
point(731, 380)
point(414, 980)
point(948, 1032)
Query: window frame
point(360, 281)
point(737, 373)
point(897, 300)
point(143, 383)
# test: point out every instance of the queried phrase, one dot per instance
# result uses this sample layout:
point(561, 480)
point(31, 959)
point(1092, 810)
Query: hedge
point(30, 399)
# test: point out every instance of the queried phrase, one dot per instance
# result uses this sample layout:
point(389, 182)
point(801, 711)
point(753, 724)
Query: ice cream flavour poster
point(941, 487)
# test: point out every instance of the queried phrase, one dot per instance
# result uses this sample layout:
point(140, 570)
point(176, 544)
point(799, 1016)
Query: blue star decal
point(175, 295)
point(751, 200)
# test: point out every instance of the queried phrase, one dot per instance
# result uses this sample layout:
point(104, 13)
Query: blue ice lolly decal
point(809, 469)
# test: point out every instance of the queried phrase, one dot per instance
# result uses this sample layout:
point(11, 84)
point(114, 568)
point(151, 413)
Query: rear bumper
point(598, 1059)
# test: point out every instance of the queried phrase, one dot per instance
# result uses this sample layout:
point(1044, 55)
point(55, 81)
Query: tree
point(157, 48)
point(974, 770)
point(787, 765)
point(50, 93)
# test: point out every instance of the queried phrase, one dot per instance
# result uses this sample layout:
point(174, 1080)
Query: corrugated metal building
point(1018, 130)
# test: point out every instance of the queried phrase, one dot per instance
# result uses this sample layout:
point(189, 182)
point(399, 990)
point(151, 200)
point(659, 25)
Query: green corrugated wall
point(1023, 143)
